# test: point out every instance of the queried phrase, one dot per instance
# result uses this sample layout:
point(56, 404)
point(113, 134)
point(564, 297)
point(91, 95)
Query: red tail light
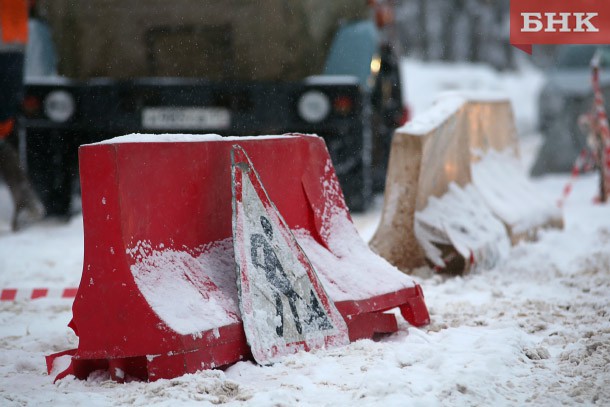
point(31, 105)
point(343, 105)
point(384, 15)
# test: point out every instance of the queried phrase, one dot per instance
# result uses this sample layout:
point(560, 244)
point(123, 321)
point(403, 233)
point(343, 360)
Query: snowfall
point(535, 329)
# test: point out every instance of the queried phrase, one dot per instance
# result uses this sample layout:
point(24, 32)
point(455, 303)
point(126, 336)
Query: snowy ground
point(534, 330)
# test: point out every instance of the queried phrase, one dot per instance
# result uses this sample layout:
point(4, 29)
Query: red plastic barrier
point(157, 228)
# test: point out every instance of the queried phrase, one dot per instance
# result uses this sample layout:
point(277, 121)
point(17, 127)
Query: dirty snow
point(533, 330)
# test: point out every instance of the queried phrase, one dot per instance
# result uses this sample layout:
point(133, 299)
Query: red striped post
point(603, 131)
point(582, 164)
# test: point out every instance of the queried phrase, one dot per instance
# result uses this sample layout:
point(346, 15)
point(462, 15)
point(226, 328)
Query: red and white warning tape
point(584, 162)
point(14, 294)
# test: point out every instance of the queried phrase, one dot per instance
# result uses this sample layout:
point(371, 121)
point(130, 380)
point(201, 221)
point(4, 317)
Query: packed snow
point(460, 218)
point(208, 299)
point(430, 119)
point(511, 196)
point(179, 138)
point(535, 329)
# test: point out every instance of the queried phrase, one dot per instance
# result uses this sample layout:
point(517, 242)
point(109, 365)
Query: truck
point(228, 67)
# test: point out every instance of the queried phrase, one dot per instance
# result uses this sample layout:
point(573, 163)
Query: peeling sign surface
point(283, 304)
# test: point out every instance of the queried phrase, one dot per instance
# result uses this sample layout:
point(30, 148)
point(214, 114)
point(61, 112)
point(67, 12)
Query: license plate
point(183, 118)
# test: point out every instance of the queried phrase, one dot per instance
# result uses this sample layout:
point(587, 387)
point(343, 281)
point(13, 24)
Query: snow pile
point(461, 219)
point(207, 299)
point(511, 196)
point(480, 220)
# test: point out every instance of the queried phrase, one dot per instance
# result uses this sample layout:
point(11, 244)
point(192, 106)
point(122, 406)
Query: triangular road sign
point(283, 304)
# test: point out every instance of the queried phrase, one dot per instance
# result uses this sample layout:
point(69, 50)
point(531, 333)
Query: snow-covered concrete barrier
point(158, 295)
point(456, 195)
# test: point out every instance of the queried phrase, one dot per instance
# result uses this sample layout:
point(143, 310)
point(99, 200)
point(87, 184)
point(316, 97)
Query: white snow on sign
point(283, 305)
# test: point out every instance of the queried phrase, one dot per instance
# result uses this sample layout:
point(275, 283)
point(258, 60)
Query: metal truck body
point(231, 67)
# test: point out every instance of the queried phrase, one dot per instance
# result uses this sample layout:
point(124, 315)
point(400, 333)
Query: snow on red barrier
point(158, 296)
point(15, 294)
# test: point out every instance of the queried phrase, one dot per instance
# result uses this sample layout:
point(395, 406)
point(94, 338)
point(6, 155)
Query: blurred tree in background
point(461, 30)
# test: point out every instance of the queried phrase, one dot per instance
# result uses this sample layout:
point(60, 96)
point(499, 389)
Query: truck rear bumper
point(62, 115)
